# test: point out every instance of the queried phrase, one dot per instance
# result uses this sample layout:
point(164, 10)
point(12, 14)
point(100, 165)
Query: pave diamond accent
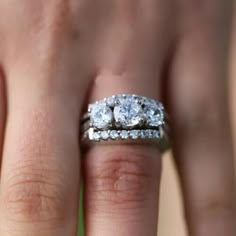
point(143, 134)
point(128, 113)
point(96, 136)
point(104, 135)
point(149, 133)
point(114, 134)
point(125, 134)
point(101, 115)
point(156, 134)
point(111, 101)
point(134, 134)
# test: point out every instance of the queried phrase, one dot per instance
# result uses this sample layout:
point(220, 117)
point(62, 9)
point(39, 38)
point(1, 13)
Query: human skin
point(170, 203)
point(58, 55)
point(233, 82)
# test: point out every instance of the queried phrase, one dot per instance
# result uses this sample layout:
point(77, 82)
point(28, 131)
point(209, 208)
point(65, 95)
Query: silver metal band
point(126, 117)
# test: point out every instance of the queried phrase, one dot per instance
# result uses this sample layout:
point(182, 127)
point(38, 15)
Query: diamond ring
point(123, 117)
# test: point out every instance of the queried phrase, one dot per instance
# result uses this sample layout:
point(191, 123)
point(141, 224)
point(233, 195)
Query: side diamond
point(101, 116)
point(153, 113)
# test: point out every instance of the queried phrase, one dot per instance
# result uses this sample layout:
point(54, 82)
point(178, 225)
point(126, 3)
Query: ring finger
point(122, 180)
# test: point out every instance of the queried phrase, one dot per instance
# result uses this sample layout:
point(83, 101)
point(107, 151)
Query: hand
point(57, 56)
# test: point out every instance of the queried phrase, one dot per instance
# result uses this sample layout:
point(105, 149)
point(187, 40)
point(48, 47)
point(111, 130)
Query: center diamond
point(128, 114)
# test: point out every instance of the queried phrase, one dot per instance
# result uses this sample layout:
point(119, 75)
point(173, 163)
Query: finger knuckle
point(217, 208)
point(123, 179)
point(203, 116)
point(33, 194)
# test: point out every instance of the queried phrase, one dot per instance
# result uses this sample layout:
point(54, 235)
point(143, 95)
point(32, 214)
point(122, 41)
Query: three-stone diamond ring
point(126, 117)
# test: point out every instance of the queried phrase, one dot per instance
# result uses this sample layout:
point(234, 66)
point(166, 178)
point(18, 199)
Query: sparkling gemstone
point(121, 98)
point(124, 134)
point(96, 136)
point(134, 134)
point(150, 133)
point(153, 114)
point(143, 134)
point(128, 113)
point(161, 106)
point(114, 134)
point(101, 115)
point(104, 135)
point(154, 117)
point(111, 101)
point(154, 134)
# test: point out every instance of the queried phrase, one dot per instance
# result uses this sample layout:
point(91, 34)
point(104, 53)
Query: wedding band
point(126, 117)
